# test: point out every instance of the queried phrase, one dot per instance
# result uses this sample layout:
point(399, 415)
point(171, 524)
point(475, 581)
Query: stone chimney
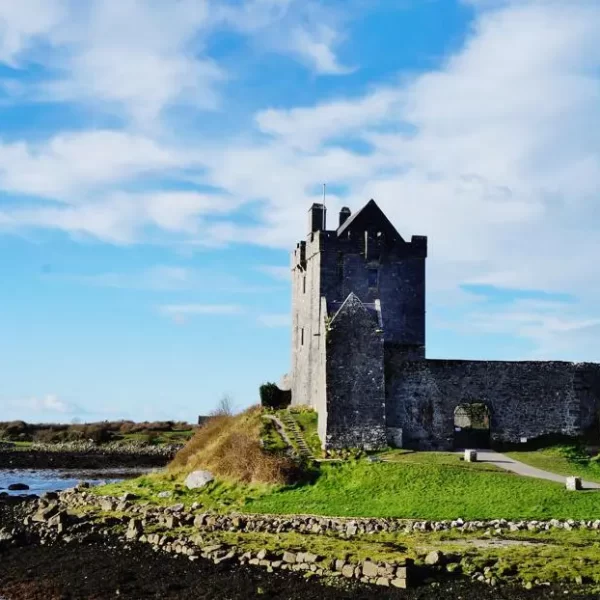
point(344, 215)
point(316, 217)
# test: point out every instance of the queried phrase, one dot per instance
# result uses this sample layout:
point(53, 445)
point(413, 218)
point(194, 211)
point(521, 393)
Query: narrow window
point(304, 285)
point(373, 276)
point(302, 337)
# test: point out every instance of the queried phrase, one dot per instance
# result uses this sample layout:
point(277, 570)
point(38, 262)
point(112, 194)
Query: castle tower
point(357, 292)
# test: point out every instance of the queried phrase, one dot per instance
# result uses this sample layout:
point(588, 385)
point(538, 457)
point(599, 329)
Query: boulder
point(17, 487)
point(370, 569)
point(348, 571)
point(435, 557)
point(43, 515)
point(198, 479)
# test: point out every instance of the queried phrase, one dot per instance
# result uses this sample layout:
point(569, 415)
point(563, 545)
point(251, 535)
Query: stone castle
point(358, 352)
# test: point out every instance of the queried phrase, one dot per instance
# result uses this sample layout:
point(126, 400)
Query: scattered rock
point(198, 479)
point(434, 558)
point(348, 571)
point(370, 569)
point(128, 496)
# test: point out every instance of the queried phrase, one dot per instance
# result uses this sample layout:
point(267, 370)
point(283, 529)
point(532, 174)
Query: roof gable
point(352, 307)
point(370, 217)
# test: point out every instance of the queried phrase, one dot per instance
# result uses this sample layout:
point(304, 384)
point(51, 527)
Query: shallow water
point(49, 480)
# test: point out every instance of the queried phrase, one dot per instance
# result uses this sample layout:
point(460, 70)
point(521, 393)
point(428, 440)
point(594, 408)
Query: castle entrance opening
point(471, 426)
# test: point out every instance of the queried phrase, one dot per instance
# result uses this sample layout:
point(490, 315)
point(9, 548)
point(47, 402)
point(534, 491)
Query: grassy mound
point(230, 448)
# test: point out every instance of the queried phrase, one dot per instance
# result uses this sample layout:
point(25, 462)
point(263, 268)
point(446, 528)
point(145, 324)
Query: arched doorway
point(472, 426)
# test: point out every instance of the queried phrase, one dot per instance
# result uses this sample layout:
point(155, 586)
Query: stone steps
point(295, 432)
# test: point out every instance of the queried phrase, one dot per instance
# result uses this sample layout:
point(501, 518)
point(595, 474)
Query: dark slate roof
point(370, 216)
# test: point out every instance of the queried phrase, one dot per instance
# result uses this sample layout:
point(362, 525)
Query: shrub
point(16, 428)
point(272, 397)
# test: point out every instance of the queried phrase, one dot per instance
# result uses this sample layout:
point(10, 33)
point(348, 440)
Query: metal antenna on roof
point(324, 191)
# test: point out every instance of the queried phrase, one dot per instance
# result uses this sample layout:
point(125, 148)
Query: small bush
point(272, 397)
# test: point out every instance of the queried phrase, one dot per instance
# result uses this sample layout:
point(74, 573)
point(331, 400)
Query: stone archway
point(471, 426)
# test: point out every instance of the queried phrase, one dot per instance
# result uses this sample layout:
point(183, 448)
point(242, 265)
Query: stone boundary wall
point(346, 527)
point(525, 399)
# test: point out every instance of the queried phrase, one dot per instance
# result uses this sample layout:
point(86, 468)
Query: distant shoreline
point(83, 459)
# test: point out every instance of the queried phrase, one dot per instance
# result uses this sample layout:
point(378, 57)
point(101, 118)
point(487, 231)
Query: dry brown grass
point(229, 447)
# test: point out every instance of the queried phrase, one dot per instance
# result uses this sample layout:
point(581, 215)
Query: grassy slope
point(403, 489)
point(563, 460)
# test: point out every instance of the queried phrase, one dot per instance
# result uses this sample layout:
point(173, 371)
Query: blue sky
point(157, 159)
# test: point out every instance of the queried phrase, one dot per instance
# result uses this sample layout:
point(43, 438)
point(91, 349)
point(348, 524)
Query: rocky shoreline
point(76, 521)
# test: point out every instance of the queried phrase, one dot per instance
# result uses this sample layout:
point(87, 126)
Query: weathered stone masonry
point(525, 399)
point(358, 350)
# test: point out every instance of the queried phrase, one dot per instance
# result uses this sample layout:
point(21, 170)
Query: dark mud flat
point(31, 459)
point(99, 572)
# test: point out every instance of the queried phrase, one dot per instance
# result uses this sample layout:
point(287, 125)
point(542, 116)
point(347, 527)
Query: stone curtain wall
point(355, 380)
point(525, 399)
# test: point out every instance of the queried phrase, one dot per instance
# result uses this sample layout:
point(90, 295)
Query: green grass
point(562, 460)
point(451, 459)
point(20, 445)
point(420, 485)
point(160, 437)
point(218, 496)
point(429, 491)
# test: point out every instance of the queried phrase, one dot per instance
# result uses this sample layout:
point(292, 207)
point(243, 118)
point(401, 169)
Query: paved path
point(505, 462)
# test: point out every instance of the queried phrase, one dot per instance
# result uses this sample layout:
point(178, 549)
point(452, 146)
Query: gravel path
point(510, 464)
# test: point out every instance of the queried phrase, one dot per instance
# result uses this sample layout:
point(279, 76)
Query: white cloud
point(172, 278)
point(181, 312)
point(316, 48)
point(306, 29)
point(122, 218)
point(22, 22)
point(138, 58)
point(51, 404)
point(553, 329)
point(276, 271)
point(308, 128)
point(142, 73)
point(274, 320)
point(68, 165)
